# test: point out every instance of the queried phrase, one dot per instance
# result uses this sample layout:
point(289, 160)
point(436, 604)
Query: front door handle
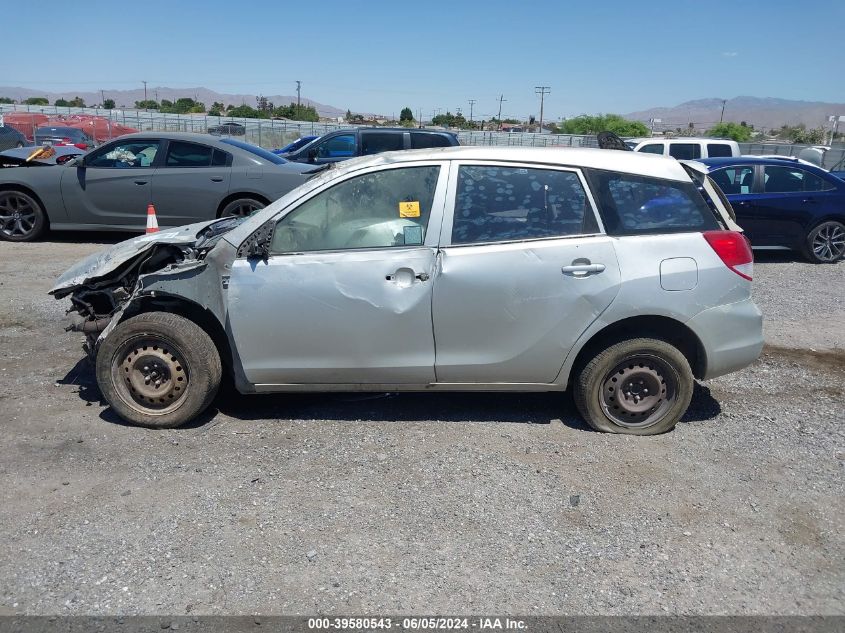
point(809, 200)
point(423, 276)
point(405, 277)
point(582, 270)
point(216, 179)
point(140, 182)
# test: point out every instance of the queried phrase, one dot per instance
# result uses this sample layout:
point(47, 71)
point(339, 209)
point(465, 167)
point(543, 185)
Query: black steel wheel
point(21, 217)
point(640, 387)
point(158, 369)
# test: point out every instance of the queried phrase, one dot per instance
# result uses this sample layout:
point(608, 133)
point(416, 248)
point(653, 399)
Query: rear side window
point(718, 149)
point(181, 154)
point(791, 180)
point(652, 148)
point(421, 140)
point(632, 205)
point(495, 204)
point(685, 151)
point(377, 142)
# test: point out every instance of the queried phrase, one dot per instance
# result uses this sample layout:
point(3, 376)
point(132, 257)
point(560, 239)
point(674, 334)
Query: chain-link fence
point(273, 133)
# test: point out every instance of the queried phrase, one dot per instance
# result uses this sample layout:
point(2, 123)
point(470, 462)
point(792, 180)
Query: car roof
point(175, 136)
point(751, 160)
point(614, 160)
point(680, 139)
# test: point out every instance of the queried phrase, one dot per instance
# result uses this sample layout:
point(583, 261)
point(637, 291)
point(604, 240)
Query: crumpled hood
point(101, 264)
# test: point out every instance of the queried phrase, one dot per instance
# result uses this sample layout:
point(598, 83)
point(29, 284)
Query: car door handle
point(809, 201)
point(140, 182)
point(582, 270)
point(216, 179)
point(423, 276)
point(406, 277)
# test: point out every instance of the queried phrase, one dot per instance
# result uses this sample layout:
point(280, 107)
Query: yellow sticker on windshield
point(409, 209)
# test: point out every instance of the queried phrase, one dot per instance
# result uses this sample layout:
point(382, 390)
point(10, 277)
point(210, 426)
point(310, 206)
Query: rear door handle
point(140, 182)
point(582, 270)
point(216, 179)
point(809, 200)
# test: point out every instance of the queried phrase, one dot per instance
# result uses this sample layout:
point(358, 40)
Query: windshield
point(270, 157)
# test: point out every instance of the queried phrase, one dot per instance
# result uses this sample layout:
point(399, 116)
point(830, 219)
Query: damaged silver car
point(618, 275)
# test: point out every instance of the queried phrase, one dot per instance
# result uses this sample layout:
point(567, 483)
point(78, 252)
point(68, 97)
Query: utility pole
point(542, 91)
point(145, 91)
point(722, 116)
point(419, 117)
point(501, 99)
point(298, 86)
point(471, 103)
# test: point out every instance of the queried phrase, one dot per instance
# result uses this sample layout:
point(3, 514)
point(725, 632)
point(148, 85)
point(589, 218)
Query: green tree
point(37, 101)
point(586, 124)
point(7, 100)
point(149, 104)
point(108, 104)
point(800, 134)
point(62, 103)
point(77, 102)
point(735, 131)
point(245, 111)
point(406, 115)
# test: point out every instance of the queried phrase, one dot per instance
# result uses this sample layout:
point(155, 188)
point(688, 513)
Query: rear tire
point(22, 218)
point(241, 208)
point(825, 244)
point(158, 370)
point(640, 386)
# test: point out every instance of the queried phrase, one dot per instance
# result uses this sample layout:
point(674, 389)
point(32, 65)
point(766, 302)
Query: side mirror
point(312, 155)
point(79, 161)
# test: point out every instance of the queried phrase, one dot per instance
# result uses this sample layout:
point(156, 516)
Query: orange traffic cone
point(152, 221)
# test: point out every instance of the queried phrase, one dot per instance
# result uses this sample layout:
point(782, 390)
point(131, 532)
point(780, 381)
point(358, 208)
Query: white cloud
point(730, 54)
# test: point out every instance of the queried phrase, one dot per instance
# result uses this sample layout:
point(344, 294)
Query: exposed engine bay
point(107, 284)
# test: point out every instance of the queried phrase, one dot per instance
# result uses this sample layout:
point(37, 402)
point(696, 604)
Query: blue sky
point(597, 56)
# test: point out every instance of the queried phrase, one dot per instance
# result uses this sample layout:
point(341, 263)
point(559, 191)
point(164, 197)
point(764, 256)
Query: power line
point(471, 103)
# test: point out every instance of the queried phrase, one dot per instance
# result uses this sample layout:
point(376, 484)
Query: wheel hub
point(154, 374)
point(635, 392)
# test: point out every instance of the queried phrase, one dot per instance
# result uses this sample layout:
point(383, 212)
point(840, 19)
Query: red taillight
point(734, 250)
point(81, 145)
point(66, 139)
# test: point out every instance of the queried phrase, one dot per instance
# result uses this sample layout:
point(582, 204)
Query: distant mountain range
point(765, 112)
point(127, 98)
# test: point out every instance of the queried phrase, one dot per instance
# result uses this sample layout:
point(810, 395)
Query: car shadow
point(778, 257)
point(462, 407)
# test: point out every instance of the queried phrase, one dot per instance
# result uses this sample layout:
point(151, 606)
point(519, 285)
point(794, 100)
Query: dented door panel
point(335, 317)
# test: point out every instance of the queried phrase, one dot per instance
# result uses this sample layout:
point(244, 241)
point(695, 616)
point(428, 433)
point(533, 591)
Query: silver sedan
point(187, 177)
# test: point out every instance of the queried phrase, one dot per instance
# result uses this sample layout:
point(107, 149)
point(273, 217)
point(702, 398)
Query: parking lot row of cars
point(620, 275)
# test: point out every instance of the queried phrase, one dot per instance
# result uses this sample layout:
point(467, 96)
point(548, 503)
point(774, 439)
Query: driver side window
point(376, 210)
point(137, 153)
point(342, 146)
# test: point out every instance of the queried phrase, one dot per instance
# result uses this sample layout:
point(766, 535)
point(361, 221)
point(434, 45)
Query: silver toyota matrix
point(618, 275)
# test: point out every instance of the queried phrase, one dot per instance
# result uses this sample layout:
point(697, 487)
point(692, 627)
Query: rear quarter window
point(421, 140)
point(715, 150)
point(685, 151)
point(633, 205)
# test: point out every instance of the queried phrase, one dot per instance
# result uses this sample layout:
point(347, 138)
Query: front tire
point(640, 386)
point(825, 244)
point(241, 208)
point(158, 370)
point(22, 219)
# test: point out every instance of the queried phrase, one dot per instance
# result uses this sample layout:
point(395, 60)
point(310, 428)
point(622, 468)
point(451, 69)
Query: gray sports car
point(187, 177)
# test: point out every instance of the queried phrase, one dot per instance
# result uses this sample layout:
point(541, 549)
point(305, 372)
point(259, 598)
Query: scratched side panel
point(506, 312)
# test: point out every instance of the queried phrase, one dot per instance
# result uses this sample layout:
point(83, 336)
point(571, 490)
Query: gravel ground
point(425, 503)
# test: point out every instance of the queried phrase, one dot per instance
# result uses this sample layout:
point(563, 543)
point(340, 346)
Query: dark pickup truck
point(345, 144)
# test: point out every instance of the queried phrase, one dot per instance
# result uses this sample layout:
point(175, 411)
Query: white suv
point(685, 148)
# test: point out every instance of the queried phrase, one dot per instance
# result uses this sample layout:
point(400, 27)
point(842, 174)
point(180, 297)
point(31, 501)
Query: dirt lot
point(423, 503)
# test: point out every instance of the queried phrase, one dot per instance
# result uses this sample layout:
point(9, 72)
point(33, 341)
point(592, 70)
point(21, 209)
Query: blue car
point(784, 204)
point(292, 147)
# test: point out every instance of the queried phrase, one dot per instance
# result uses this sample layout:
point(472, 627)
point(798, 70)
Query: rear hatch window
point(634, 205)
